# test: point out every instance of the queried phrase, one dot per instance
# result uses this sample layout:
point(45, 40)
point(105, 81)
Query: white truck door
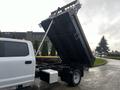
point(17, 63)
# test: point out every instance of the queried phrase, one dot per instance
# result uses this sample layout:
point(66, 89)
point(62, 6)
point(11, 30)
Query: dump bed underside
point(67, 36)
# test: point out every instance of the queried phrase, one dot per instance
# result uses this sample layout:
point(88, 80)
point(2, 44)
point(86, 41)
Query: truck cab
point(17, 62)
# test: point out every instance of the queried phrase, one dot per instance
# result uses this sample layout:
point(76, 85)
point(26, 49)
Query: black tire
point(75, 78)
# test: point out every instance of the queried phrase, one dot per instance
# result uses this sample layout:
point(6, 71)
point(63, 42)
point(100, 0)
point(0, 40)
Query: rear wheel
point(73, 77)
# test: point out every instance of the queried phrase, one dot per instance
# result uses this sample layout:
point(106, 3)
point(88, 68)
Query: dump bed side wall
point(81, 33)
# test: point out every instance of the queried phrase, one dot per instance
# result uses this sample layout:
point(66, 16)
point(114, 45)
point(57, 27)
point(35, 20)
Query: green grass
point(99, 62)
point(113, 57)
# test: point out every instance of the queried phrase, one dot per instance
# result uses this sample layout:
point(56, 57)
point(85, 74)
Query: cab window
point(13, 49)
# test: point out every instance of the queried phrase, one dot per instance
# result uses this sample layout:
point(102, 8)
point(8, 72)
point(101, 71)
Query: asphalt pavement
point(105, 77)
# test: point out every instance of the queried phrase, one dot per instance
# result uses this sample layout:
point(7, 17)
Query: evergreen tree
point(44, 51)
point(53, 51)
point(102, 48)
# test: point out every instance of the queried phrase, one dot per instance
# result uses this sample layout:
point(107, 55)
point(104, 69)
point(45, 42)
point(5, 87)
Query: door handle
point(28, 62)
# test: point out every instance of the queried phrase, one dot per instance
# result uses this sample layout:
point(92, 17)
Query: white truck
point(17, 59)
point(18, 65)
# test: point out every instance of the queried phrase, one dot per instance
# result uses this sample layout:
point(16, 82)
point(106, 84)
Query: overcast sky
point(98, 18)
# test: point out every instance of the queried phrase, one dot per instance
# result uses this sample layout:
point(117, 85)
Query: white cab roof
point(14, 40)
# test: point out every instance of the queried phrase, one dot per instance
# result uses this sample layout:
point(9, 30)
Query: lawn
point(99, 62)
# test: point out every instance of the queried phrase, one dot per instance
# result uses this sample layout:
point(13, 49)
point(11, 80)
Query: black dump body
point(67, 36)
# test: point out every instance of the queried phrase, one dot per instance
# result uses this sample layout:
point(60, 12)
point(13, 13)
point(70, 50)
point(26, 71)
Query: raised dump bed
point(67, 36)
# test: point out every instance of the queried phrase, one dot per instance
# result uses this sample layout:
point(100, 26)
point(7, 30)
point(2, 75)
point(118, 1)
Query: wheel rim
point(76, 77)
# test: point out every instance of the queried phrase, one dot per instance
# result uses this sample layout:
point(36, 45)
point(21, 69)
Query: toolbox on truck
point(67, 36)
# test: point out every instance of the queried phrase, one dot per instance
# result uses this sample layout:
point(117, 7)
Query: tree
point(44, 51)
point(102, 48)
point(35, 45)
point(53, 51)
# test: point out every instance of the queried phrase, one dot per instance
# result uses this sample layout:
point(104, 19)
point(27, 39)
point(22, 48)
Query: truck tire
point(73, 78)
